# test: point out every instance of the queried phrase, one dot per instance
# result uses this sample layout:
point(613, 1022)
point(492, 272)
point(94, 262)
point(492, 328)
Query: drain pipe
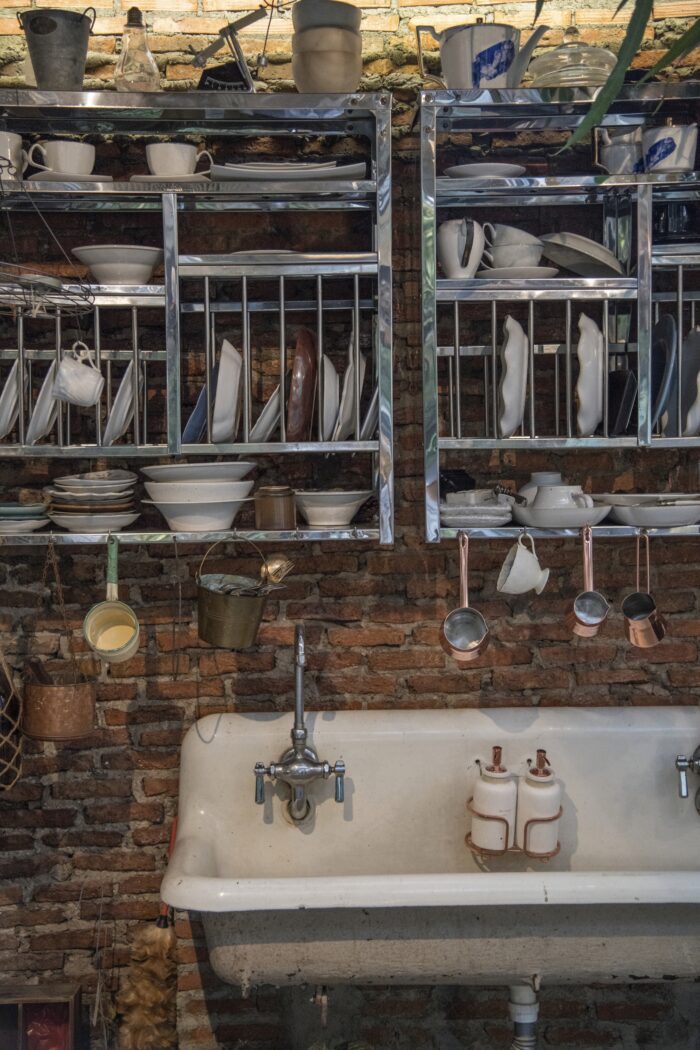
point(523, 1009)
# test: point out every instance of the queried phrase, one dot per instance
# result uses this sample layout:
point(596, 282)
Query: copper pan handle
point(587, 558)
point(646, 541)
point(463, 540)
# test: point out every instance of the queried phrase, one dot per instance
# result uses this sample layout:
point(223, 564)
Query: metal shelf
point(553, 289)
point(353, 533)
point(610, 532)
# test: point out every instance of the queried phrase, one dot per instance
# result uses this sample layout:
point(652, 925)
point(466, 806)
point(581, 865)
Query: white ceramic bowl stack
point(18, 518)
point(97, 502)
point(326, 46)
point(475, 509)
point(199, 497)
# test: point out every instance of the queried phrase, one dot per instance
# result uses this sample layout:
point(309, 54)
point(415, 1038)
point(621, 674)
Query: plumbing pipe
point(523, 1009)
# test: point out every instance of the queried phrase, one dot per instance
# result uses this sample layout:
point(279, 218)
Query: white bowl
point(326, 38)
point(197, 491)
point(202, 517)
point(93, 522)
point(650, 517)
point(327, 72)
point(232, 470)
point(308, 13)
point(120, 263)
point(330, 509)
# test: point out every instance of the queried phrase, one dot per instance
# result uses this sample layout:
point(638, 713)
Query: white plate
point(581, 255)
point(656, 517)
point(199, 176)
point(331, 397)
point(268, 418)
point(346, 413)
point(476, 521)
point(225, 471)
point(560, 517)
point(590, 352)
point(61, 176)
point(371, 420)
point(88, 495)
point(223, 173)
point(98, 523)
point(512, 391)
point(281, 165)
point(16, 528)
point(122, 409)
point(632, 499)
point(9, 401)
point(517, 273)
point(98, 481)
point(485, 170)
point(227, 401)
point(45, 410)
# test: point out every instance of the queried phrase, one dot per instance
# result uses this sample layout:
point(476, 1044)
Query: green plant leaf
point(623, 3)
point(684, 44)
point(538, 9)
point(610, 90)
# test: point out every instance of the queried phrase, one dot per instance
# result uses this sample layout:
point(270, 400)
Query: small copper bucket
point(464, 634)
point(644, 624)
point(590, 609)
point(61, 711)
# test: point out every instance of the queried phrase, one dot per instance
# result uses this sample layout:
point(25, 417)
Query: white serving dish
point(98, 523)
point(197, 491)
point(230, 470)
point(634, 499)
point(330, 509)
point(649, 517)
point(128, 264)
point(16, 528)
point(559, 517)
point(201, 517)
point(581, 255)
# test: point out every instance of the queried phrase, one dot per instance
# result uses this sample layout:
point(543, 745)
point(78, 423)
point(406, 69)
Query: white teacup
point(670, 148)
point(625, 159)
point(521, 571)
point(549, 496)
point(13, 159)
point(174, 158)
point(64, 157)
point(514, 255)
point(496, 233)
point(452, 244)
point(78, 379)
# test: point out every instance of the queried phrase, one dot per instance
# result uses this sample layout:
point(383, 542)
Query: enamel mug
point(669, 149)
point(13, 159)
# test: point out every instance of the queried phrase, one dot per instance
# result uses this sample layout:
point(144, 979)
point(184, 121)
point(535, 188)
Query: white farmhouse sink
point(382, 888)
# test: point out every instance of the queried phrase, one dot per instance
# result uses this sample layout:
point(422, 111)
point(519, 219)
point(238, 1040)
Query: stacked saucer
point(100, 501)
point(16, 518)
point(476, 509)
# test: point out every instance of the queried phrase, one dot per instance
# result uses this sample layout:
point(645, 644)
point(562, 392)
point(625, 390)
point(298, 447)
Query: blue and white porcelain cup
point(670, 149)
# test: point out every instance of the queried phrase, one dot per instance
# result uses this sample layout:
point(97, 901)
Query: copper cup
point(464, 634)
point(590, 609)
point(644, 624)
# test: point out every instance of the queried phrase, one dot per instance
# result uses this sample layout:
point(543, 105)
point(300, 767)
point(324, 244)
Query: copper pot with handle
point(645, 627)
point(464, 634)
point(590, 609)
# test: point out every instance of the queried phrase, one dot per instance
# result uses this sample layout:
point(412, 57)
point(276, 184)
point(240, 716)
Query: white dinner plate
point(646, 517)
point(122, 409)
point(224, 173)
point(93, 522)
point(517, 273)
point(485, 171)
point(345, 422)
point(581, 255)
point(199, 176)
point(98, 481)
point(331, 397)
point(62, 176)
point(475, 521)
point(16, 528)
point(268, 418)
point(227, 401)
point(45, 410)
point(88, 495)
point(559, 517)
point(281, 165)
point(9, 401)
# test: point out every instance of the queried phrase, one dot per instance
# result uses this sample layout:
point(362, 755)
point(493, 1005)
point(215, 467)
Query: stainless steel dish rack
point(206, 290)
point(462, 319)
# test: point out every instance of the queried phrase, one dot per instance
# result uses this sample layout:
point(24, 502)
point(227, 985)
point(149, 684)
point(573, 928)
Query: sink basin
point(382, 887)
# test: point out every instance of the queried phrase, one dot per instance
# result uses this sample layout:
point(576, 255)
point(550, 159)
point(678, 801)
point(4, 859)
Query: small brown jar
point(275, 508)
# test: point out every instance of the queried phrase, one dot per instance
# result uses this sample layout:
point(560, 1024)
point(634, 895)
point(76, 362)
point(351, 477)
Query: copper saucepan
point(590, 609)
point(644, 624)
point(464, 634)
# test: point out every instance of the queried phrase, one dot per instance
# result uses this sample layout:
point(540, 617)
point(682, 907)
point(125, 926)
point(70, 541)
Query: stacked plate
point(476, 509)
point(286, 171)
point(100, 501)
point(199, 497)
point(652, 510)
point(16, 518)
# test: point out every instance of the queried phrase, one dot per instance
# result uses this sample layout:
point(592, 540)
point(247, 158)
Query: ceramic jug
point(481, 55)
point(458, 253)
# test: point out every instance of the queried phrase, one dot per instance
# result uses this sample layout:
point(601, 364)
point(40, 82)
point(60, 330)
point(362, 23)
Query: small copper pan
point(644, 624)
point(464, 634)
point(590, 609)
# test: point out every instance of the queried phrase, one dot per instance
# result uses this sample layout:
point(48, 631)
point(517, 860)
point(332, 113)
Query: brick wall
point(85, 830)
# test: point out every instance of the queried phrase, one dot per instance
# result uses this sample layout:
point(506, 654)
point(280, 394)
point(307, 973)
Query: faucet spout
point(299, 731)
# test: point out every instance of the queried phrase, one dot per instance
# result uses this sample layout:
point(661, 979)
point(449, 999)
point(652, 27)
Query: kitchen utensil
point(521, 571)
point(230, 608)
point(18, 528)
point(645, 499)
point(581, 255)
point(63, 157)
point(330, 509)
point(589, 385)
point(275, 568)
point(513, 389)
point(590, 609)
point(228, 470)
point(518, 273)
point(464, 634)
point(481, 55)
point(21, 511)
point(57, 42)
point(204, 517)
point(559, 517)
point(485, 170)
point(275, 508)
point(460, 246)
point(644, 624)
point(663, 364)
point(13, 159)
point(573, 63)
point(670, 149)
point(308, 13)
point(111, 628)
point(172, 159)
point(126, 264)
point(548, 497)
point(301, 394)
point(198, 491)
point(474, 518)
point(371, 420)
point(45, 409)
point(195, 427)
point(78, 379)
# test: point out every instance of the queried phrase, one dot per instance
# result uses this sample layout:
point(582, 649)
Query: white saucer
point(559, 517)
point(517, 273)
point(197, 177)
point(63, 176)
point(485, 171)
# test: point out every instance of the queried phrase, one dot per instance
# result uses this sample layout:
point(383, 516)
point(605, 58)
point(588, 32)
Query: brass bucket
point(60, 711)
point(229, 621)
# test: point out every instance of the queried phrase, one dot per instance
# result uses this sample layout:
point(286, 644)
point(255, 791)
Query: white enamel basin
point(389, 890)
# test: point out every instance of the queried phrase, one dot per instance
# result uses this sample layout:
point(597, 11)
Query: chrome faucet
point(684, 765)
point(299, 766)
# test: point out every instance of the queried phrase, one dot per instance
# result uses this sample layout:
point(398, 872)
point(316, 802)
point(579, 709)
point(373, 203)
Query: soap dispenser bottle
point(539, 798)
point(136, 68)
point(495, 795)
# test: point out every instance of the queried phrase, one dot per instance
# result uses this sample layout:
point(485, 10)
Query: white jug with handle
point(482, 55)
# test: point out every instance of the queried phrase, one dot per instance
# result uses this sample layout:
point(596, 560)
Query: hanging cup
point(644, 624)
point(590, 609)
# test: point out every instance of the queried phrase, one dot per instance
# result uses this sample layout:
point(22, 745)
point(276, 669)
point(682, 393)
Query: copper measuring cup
point(590, 609)
point(644, 624)
point(464, 634)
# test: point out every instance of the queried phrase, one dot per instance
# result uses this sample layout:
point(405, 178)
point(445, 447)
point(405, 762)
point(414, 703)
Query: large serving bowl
point(330, 509)
point(197, 491)
point(327, 72)
point(120, 263)
point(226, 471)
point(199, 517)
point(309, 13)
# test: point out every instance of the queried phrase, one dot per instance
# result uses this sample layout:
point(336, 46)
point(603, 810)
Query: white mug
point(670, 148)
point(452, 243)
point(64, 157)
point(514, 255)
point(622, 159)
point(13, 159)
point(174, 158)
point(548, 496)
point(78, 379)
point(496, 234)
point(521, 571)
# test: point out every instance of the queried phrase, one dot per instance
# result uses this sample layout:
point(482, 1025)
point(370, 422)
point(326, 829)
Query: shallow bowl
point(120, 263)
point(197, 491)
point(225, 471)
point(330, 509)
point(199, 517)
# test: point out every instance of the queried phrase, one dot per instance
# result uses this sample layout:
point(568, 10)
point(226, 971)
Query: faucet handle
point(261, 771)
point(339, 770)
point(682, 765)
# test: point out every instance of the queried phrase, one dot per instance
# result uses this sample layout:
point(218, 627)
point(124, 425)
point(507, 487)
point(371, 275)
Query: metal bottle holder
point(483, 852)
point(230, 608)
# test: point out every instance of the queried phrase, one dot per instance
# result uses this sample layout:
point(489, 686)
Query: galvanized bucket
point(58, 43)
point(229, 621)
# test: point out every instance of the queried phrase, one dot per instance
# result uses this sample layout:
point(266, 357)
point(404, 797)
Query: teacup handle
point(523, 538)
point(84, 353)
point(204, 153)
point(487, 259)
point(489, 233)
point(582, 499)
point(36, 163)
